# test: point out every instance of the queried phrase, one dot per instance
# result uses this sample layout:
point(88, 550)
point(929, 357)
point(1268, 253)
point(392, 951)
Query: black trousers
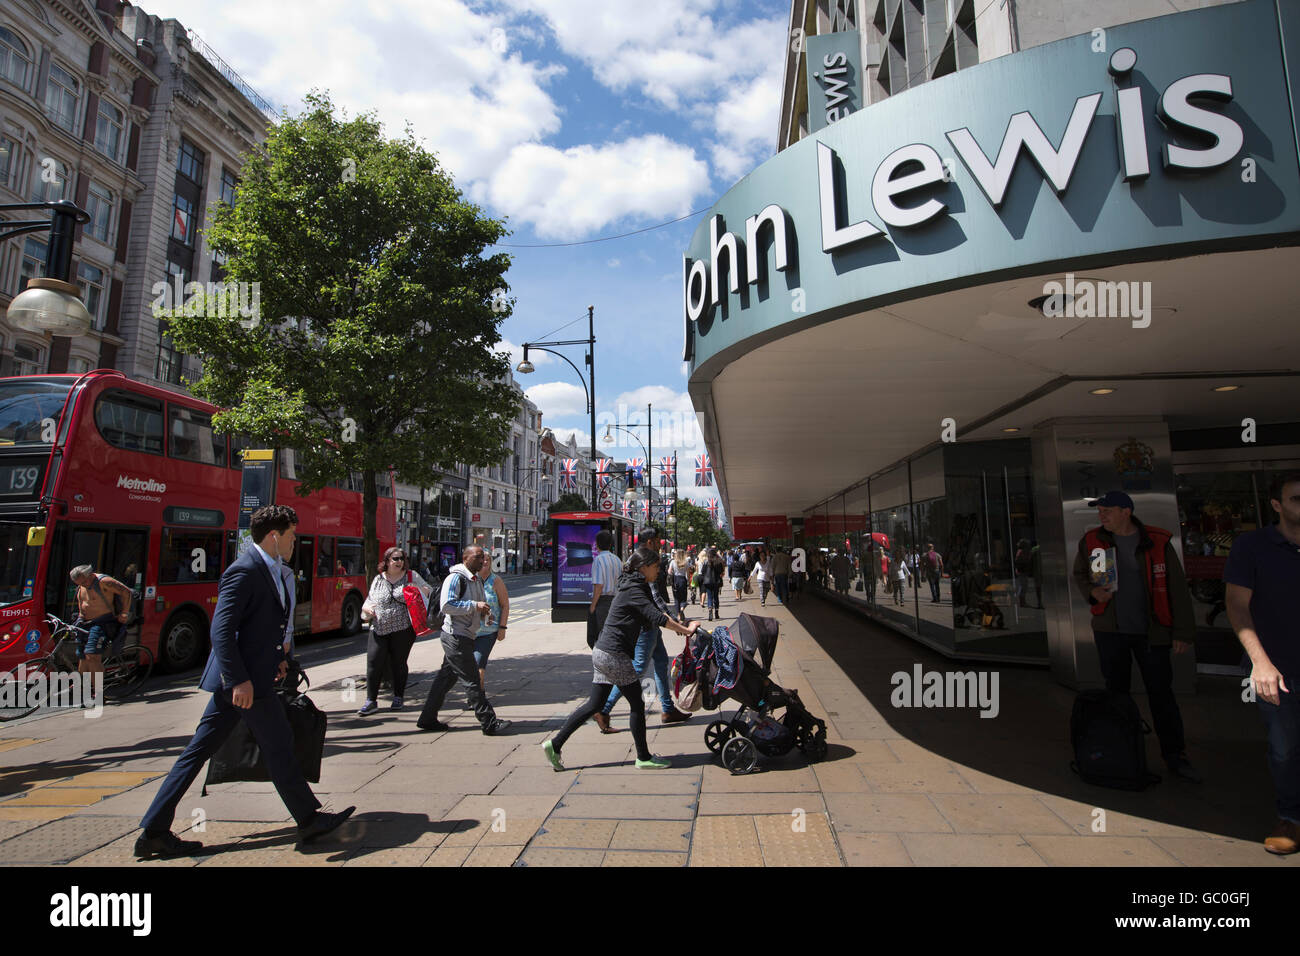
point(270, 728)
point(596, 618)
point(596, 702)
point(457, 664)
point(388, 653)
point(1114, 650)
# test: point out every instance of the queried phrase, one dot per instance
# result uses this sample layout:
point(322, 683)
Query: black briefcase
point(240, 758)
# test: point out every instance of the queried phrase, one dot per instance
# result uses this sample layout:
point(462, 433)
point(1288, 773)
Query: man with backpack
point(1144, 608)
point(462, 606)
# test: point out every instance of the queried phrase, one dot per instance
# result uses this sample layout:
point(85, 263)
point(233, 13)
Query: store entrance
point(1217, 501)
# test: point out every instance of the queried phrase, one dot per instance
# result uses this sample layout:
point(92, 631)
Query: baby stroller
point(735, 663)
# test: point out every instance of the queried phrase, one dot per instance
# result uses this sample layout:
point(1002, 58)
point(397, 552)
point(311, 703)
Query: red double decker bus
point(97, 469)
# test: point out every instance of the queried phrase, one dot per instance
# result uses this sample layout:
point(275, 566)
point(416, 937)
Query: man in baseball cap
point(1142, 609)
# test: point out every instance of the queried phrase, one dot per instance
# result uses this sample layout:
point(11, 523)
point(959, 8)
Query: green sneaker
point(654, 763)
point(552, 755)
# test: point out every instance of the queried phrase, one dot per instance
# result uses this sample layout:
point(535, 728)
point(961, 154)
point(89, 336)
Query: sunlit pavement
point(898, 788)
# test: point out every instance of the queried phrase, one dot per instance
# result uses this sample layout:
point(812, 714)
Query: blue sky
point(575, 119)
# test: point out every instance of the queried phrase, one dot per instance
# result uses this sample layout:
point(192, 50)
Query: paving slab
point(439, 777)
point(626, 807)
point(635, 782)
point(729, 841)
point(801, 841)
point(728, 804)
point(764, 779)
point(62, 840)
point(1086, 821)
point(1218, 851)
point(999, 813)
point(576, 834)
point(549, 856)
point(390, 856)
point(965, 849)
point(535, 780)
point(652, 835)
point(872, 849)
point(1099, 851)
point(61, 797)
point(484, 855)
point(640, 858)
point(449, 856)
point(885, 813)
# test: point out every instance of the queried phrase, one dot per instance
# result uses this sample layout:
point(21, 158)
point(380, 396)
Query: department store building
point(1010, 256)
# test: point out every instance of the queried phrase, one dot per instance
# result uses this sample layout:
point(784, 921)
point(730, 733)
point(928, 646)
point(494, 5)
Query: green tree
point(373, 345)
point(706, 531)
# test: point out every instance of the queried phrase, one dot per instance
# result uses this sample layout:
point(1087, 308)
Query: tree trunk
point(370, 505)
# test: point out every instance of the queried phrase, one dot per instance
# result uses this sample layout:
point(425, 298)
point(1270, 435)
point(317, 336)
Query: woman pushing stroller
point(633, 611)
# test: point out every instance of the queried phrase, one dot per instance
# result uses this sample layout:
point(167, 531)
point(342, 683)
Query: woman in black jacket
point(633, 611)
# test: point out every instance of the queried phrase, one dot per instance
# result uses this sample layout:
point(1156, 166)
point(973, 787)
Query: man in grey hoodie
point(463, 607)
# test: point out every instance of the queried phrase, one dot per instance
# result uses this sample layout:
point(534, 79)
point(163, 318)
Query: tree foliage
point(706, 531)
point(379, 310)
point(569, 501)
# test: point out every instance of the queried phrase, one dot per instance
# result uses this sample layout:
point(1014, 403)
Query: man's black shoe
point(1180, 766)
point(436, 725)
point(322, 824)
point(498, 726)
point(166, 846)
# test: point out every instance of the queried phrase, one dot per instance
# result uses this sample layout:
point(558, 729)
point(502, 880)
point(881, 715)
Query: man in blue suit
point(248, 637)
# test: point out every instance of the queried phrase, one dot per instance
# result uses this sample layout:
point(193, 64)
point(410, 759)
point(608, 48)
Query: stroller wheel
point(739, 755)
point(717, 734)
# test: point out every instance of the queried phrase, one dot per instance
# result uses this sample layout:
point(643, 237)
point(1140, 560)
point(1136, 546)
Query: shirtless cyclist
point(95, 602)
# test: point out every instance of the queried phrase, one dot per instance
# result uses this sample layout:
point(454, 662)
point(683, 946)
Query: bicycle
point(125, 671)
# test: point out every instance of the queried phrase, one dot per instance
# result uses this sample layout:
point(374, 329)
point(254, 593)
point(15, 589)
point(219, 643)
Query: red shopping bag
point(415, 606)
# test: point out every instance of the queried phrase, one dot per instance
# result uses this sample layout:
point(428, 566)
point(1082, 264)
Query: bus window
point(288, 464)
point(325, 562)
point(178, 563)
point(132, 422)
point(192, 437)
point(350, 559)
point(24, 405)
point(17, 561)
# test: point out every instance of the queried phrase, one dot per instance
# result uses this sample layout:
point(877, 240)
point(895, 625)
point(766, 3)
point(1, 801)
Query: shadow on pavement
point(1028, 743)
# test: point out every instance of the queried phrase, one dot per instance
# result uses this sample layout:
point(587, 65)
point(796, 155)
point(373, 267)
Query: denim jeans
point(934, 589)
point(1114, 650)
point(649, 647)
point(782, 584)
point(1283, 722)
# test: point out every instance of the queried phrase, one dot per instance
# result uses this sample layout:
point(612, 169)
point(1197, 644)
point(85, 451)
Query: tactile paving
point(725, 841)
point(783, 845)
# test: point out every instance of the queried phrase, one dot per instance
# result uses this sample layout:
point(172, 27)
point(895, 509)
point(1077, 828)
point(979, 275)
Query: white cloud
point(676, 54)
point(557, 400)
point(569, 193)
point(613, 263)
point(431, 62)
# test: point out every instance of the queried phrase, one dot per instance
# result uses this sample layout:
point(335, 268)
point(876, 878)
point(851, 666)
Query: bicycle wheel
point(24, 689)
point(126, 671)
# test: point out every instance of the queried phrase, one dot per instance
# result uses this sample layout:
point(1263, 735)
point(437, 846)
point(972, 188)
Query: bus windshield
point(25, 404)
point(17, 562)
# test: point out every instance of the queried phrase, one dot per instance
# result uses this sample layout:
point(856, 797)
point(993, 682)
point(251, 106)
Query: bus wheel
point(350, 619)
point(182, 644)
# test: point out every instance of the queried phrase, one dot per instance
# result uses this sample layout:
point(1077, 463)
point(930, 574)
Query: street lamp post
point(526, 367)
point(50, 303)
point(518, 472)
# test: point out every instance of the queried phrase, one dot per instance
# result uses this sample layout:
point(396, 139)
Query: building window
point(492, 499)
point(8, 155)
point(51, 181)
point(505, 501)
point(33, 263)
point(478, 496)
point(62, 96)
point(99, 203)
point(108, 130)
point(183, 219)
point(14, 59)
point(190, 161)
point(228, 185)
point(92, 292)
point(175, 268)
point(28, 359)
point(79, 366)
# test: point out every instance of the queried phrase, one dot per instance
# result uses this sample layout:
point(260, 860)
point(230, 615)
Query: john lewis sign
point(1144, 146)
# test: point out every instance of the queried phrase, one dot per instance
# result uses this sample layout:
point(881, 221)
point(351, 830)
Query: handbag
point(416, 607)
point(749, 588)
point(240, 758)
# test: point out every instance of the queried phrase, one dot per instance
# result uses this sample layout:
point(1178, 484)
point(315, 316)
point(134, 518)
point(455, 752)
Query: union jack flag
point(634, 469)
point(667, 473)
point(712, 506)
point(703, 471)
point(645, 508)
point(603, 477)
point(627, 511)
point(568, 473)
